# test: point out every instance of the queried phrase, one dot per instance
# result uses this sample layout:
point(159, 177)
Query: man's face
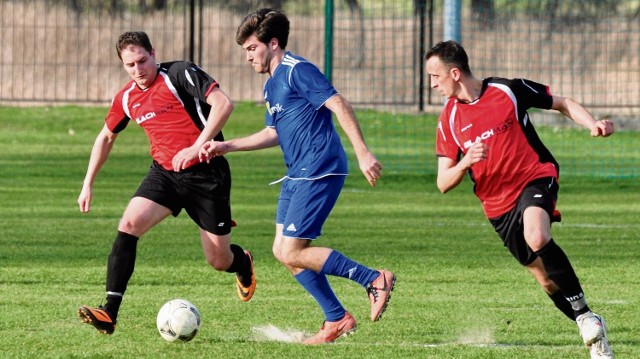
point(258, 54)
point(442, 77)
point(140, 65)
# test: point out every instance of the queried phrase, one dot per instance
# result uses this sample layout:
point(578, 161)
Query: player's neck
point(275, 61)
point(470, 91)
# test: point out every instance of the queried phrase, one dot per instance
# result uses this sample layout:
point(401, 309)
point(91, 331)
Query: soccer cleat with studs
point(98, 317)
point(246, 290)
point(593, 330)
point(379, 292)
point(330, 331)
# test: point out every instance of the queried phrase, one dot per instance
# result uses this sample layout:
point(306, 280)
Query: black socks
point(119, 270)
point(562, 304)
point(241, 264)
point(560, 271)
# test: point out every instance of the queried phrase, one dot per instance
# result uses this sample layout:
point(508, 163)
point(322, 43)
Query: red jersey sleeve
point(445, 142)
point(117, 118)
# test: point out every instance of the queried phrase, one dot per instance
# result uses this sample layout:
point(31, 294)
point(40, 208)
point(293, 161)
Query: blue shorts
point(304, 205)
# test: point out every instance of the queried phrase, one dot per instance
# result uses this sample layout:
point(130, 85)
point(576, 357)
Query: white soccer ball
point(178, 319)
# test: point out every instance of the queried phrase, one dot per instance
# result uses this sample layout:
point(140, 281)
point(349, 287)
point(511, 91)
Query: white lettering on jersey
point(277, 108)
point(484, 136)
point(273, 109)
point(145, 117)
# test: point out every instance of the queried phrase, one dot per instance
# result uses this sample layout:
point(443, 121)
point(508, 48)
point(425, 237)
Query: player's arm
point(581, 116)
point(451, 172)
point(369, 164)
point(99, 155)
point(221, 108)
point(267, 137)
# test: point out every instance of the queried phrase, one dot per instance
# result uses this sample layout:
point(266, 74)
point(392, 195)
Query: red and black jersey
point(172, 111)
point(499, 119)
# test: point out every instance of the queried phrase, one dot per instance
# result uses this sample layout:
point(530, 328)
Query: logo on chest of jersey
point(151, 114)
point(274, 109)
point(501, 128)
point(145, 117)
point(484, 136)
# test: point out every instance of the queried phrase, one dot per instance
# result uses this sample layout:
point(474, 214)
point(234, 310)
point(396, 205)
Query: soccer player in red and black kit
point(180, 107)
point(485, 130)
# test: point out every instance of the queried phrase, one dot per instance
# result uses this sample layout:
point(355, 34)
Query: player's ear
point(274, 44)
point(455, 72)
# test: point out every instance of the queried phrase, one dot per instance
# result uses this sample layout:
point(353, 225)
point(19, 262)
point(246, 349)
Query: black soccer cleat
point(98, 317)
point(246, 283)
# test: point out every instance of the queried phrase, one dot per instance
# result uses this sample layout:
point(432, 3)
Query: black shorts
point(202, 190)
point(542, 193)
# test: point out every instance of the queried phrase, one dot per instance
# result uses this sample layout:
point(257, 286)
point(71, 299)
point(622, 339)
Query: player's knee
point(127, 226)
point(537, 239)
point(286, 257)
point(279, 251)
point(280, 256)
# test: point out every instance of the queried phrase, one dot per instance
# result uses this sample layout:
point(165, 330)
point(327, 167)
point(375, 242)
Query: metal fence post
point(328, 39)
point(452, 13)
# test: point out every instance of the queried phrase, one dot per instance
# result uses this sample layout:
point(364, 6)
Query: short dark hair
point(265, 24)
point(137, 38)
point(451, 54)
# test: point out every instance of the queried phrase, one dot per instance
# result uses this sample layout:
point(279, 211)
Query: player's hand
point(370, 167)
point(476, 153)
point(211, 149)
point(206, 151)
point(603, 128)
point(84, 199)
point(183, 157)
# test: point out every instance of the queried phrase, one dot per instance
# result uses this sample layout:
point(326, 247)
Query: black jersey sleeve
point(527, 93)
point(187, 77)
point(532, 94)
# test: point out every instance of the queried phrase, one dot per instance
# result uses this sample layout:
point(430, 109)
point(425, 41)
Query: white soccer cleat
point(593, 330)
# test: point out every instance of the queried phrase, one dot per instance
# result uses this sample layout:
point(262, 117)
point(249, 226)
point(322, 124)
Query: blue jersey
point(295, 95)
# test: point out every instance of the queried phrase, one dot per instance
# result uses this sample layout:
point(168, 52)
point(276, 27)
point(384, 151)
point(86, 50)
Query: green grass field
point(459, 294)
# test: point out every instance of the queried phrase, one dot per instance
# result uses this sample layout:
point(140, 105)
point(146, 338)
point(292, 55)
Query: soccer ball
point(178, 319)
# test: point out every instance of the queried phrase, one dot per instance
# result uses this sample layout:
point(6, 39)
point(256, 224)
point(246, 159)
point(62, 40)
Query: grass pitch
point(459, 293)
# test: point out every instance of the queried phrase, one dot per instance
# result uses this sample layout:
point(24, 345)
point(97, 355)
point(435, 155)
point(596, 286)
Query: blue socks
point(318, 286)
point(339, 265)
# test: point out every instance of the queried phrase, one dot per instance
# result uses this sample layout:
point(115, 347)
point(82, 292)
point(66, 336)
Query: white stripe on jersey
point(509, 93)
point(444, 137)
point(532, 89)
point(287, 60)
point(452, 119)
point(199, 109)
point(125, 100)
point(172, 88)
point(174, 91)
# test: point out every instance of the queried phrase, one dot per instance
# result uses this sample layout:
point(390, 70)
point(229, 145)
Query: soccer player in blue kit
point(300, 102)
